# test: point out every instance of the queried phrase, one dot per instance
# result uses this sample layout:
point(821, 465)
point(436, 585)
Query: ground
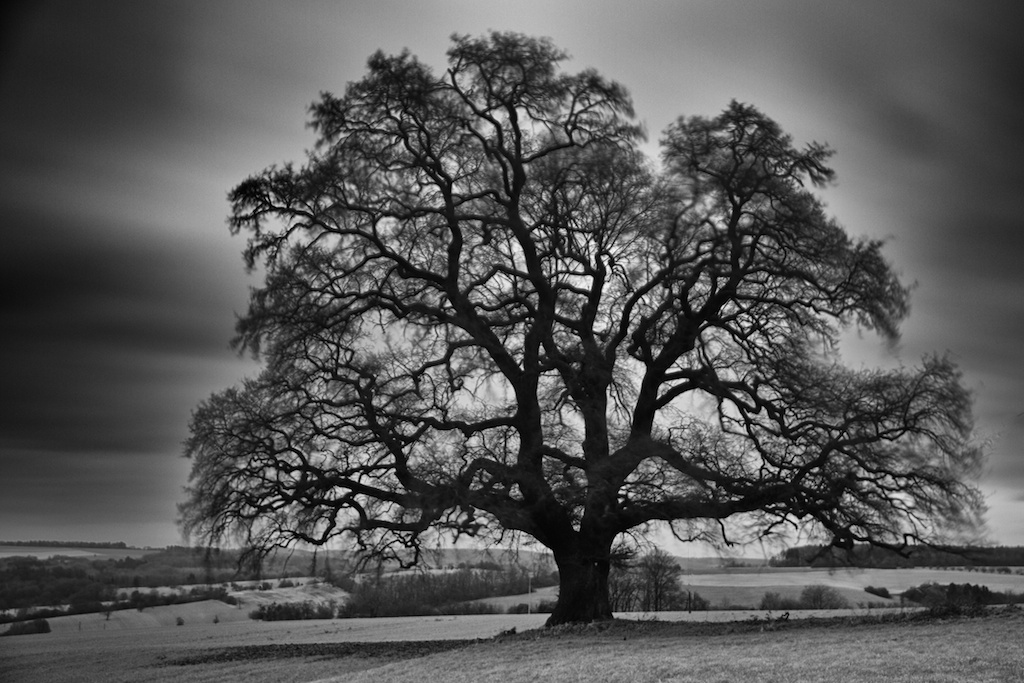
point(890, 649)
point(218, 642)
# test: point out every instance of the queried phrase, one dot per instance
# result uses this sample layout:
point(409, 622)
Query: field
point(465, 648)
point(218, 642)
point(202, 612)
point(739, 587)
point(732, 587)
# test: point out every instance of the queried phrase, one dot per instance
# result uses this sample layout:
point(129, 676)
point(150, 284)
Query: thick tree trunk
point(582, 586)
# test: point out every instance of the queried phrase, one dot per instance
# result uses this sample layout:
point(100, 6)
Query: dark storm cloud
point(113, 299)
point(101, 338)
point(124, 124)
point(957, 178)
point(90, 72)
point(118, 280)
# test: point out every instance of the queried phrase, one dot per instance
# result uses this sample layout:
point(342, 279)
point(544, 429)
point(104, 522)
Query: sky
point(123, 126)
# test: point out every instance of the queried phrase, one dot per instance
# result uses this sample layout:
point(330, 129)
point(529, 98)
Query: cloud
point(103, 339)
point(119, 282)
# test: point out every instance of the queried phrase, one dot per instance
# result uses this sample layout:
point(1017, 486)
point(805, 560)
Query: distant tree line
point(27, 581)
point(78, 585)
point(31, 586)
point(424, 593)
point(421, 593)
point(866, 556)
point(959, 597)
point(30, 582)
point(113, 545)
point(138, 600)
point(22, 628)
point(286, 611)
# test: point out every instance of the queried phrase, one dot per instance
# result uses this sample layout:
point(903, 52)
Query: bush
point(650, 584)
point(880, 592)
point(294, 610)
point(774, 602)
point(691, 601)
point(817, 596)
point(21, 628)
point(957, 598)
point(545, 607)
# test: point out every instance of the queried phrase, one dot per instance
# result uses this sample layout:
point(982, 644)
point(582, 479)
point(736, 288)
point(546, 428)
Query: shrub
point(21, 628)
point(691, 601)
point(651, 583)
point(880, 592)
point(294, 610)
point(545, 606)
point(956, 598)
point(817, 596)
point(774, 602)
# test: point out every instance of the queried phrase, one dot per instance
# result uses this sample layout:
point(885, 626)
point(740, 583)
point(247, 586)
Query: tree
point(651, 584)
point(486, 312)
point(817, 596)
point(659, 577)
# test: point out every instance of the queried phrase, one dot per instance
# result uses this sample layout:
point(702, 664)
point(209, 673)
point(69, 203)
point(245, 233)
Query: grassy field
point(218, 642)
point(202, 612)
point(969, 650)
point(896, 580)
point(725, 589)
point(744, 587)
point(409, 649)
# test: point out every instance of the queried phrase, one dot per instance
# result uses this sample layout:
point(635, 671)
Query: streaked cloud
point(125, 124)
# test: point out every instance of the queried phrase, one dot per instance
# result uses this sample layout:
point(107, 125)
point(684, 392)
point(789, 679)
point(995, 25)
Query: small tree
point(822, 597)
point(623, 589)
point(650, 584)
point(659, 582)
point(485, 311)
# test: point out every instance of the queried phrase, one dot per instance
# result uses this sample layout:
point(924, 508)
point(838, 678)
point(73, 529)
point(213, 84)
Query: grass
point(892, 650)
point(984, 649)
point(148, 646)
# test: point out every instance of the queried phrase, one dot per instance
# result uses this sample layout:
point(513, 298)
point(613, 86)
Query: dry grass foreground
point(893, 650)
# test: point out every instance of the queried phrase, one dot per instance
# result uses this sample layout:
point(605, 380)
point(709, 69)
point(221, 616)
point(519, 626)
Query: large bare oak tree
point(486, 311)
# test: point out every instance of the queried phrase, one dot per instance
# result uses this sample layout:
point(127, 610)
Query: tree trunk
point(582, 586)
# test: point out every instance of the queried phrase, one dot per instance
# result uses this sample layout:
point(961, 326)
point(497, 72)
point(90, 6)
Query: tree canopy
point(485, 310)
